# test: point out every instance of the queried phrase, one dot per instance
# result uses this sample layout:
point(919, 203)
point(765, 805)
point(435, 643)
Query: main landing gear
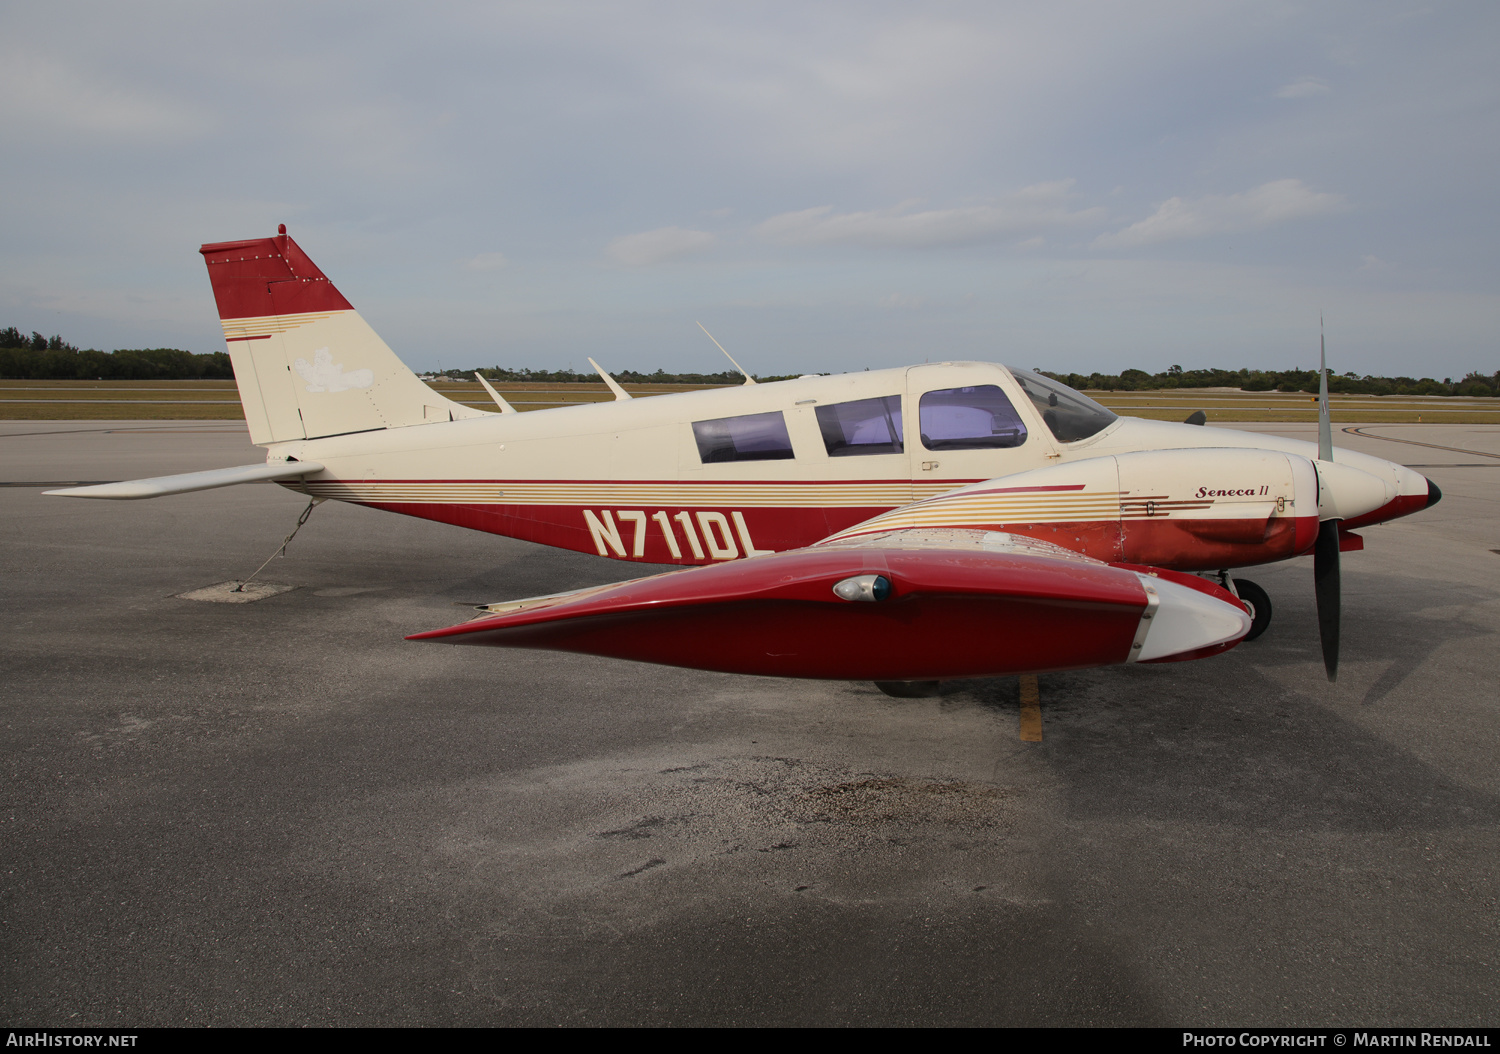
point(1254, 598)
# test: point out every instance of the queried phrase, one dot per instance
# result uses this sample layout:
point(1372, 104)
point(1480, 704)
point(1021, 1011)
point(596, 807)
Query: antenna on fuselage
point(505, 407)
point(748, 379)
point(620, 393)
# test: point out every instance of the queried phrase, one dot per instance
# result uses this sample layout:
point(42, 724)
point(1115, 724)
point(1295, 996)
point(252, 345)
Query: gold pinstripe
point(924, 491)
point(972, 513)
point(265, 325)
point(980, 509)
point(613, 495)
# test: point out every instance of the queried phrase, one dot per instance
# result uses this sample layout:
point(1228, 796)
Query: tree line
point(36, 357)
point(1472, 384)
point(39, 358)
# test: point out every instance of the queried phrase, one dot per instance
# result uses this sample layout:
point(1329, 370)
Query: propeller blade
point(1326, 589)
point(1326, 551)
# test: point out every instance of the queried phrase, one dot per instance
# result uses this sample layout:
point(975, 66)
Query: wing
point(916, 604)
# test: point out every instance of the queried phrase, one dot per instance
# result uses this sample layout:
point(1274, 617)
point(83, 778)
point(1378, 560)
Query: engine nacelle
point(1206, 509)
point(1191, 510)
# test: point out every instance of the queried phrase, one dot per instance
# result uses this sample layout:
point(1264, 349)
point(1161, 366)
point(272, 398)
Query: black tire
point(1259, 603)
point(909, 689)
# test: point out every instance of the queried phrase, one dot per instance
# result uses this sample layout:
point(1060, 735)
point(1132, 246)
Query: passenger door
point(963, 425)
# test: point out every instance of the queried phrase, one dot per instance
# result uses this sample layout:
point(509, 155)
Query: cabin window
point(754, 437)
point(865, 426)
point(1070, 415)
point(974, 418)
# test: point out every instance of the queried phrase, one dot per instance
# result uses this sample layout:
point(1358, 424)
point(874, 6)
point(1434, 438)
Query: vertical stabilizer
point(306, 364)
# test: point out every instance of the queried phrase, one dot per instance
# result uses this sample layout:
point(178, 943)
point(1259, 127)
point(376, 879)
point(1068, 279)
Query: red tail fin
point(268, 276)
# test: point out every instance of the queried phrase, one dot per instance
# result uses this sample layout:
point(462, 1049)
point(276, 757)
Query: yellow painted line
point(1031, 709)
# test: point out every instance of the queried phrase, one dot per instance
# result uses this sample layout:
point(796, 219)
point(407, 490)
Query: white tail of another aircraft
point(306, 363)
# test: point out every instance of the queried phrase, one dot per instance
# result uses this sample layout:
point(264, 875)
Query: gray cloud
point(1302, 88)
point(399, 144)
point(1270, 203)
point(53, 97)
point(1043, 206)
point(487, 262)
point(658, 246)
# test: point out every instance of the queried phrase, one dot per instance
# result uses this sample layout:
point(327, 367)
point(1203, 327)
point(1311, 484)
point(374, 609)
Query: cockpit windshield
point(1070, 415)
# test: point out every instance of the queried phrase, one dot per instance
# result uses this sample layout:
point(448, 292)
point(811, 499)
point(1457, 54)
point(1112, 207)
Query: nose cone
point(1345, 492)
point(1433, 494)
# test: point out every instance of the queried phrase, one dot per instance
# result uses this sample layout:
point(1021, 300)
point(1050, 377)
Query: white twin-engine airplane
point(958, 519)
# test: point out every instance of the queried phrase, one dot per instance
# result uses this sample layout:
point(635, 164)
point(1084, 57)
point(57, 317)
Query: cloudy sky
point(1076, 186)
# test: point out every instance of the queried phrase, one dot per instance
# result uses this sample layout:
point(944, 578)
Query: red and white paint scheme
point(1053, 508)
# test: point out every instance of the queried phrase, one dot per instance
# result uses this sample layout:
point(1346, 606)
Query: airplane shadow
point(1254, 755)
point(1254, 738)
point(535, 571)
point(1257, 738)
point(1404, 637)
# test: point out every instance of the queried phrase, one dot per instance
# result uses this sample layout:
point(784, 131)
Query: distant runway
point(281, 813)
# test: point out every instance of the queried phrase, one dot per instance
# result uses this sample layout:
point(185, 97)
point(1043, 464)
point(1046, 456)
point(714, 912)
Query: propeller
point(1326, 589)
point(1326, 549)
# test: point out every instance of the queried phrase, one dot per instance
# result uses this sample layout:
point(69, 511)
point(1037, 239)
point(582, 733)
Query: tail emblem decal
point(324, 375)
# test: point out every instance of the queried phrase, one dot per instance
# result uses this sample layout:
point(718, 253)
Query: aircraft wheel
point(909, 689)
point(1259, 604)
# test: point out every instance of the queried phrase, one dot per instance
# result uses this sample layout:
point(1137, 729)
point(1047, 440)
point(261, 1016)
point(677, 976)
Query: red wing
point(903, 605)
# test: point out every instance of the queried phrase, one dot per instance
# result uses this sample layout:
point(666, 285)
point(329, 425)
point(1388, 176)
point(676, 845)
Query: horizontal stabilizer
point(188, 482)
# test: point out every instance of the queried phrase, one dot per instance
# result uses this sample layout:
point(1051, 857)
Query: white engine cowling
point(1189, 509)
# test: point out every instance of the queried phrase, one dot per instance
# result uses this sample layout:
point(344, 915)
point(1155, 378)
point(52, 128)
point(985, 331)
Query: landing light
point(863, 587)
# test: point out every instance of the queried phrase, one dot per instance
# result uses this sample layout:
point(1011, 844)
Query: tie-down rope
point(281, 549)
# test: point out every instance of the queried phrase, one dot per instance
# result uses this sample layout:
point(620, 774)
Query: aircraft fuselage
point(707, 476)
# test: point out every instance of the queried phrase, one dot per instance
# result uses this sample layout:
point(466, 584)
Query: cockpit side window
point(864, 426)
point(1070, 415)
point(754, 437)
point(974, 418)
